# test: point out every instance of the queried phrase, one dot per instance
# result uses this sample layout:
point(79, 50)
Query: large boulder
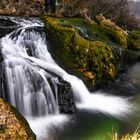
point(13, 126)
point(93, 50)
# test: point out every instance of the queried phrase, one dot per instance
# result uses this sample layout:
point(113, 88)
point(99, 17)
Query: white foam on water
point(44, 126)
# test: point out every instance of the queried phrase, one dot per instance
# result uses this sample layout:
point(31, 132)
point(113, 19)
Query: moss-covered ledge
point(114, 33)
point(93, 59)
point(91, 50)
point(13, 126)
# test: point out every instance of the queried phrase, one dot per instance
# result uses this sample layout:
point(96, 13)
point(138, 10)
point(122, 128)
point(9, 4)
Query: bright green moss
point(92, 58)
point(93, 50)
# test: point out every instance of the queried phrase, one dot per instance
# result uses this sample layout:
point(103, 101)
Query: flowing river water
point(27, 67)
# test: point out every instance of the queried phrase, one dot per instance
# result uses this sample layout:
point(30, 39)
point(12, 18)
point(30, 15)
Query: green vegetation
point(86, 44)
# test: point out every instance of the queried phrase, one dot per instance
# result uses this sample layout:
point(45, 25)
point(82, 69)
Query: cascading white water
point(26, 60)
point(28, 87)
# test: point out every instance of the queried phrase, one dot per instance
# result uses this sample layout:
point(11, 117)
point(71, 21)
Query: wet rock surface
point(65, 98)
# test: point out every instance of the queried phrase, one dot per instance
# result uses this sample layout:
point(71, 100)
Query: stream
point(30, 83)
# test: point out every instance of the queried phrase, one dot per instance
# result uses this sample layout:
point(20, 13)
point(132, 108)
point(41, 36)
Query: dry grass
point(134, 136)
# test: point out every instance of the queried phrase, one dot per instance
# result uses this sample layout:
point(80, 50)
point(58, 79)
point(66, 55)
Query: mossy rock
point(13, 126)
point(94, 51)
point(114, 33)
point(93, 59)
point(134, 40)
point(103, 30)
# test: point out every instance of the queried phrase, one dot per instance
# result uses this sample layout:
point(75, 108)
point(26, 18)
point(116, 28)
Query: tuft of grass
point(134, 136)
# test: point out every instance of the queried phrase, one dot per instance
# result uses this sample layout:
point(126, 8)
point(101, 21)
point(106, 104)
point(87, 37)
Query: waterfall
point(28, 67)
point(27, 60)
point(28, 87)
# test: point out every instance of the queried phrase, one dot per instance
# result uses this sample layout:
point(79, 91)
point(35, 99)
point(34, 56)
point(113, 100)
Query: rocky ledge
point(96, 51)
